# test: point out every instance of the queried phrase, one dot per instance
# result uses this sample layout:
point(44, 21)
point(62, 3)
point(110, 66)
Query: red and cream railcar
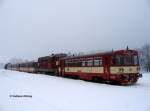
point(117, 66)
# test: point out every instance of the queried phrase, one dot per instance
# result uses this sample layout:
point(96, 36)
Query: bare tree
point(145, 57)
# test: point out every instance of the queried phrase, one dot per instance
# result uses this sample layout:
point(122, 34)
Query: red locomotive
point(49, 64)
point(120, 66)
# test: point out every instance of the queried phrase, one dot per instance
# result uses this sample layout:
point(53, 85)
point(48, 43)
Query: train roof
point(53, 55)
point(21, 63)
point(104, 53)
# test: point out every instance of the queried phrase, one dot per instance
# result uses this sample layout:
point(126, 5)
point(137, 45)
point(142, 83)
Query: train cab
point(124, 66)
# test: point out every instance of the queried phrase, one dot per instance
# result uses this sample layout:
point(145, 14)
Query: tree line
point(144, 57)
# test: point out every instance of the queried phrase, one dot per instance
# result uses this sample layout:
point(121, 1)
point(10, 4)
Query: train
point(119, 67)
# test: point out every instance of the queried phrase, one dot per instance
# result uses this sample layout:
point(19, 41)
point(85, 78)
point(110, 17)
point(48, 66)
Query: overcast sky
point(32, 28)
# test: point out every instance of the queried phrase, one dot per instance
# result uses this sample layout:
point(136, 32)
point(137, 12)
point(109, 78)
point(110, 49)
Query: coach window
point(96, 62)
point(83, 63)
point(136, 61)
point(66, 63)
point(90, 63)
point(116, 60)
point(78, 63)
point(100, 62)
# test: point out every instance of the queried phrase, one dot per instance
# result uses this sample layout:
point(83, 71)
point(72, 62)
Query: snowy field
point(48, 93)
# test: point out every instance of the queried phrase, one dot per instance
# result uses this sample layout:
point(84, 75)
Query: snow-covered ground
point(60, 94)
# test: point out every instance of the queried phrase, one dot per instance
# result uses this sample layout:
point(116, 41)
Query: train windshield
point(125, 60)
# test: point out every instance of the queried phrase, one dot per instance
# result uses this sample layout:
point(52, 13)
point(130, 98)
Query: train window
point(125, 60)
point(100, 62)
point(136, 60)
point(114, 60)
point(90, 63)
point(73, 63)
point(78, 63)
point(83, 63)
point(118, 60)
point(96, 62)
point(122, 60)
point(130, 60)
point(67, 62)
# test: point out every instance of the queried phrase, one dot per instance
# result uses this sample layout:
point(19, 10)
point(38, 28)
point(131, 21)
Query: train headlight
point(140, 75)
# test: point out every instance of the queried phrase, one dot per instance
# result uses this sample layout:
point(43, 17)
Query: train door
point(106, 65)
point(61, 67)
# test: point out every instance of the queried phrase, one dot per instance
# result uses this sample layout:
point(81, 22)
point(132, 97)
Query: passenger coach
point(116, 66)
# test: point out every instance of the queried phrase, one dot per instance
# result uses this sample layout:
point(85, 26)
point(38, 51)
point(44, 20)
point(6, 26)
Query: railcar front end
point(125, 67)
